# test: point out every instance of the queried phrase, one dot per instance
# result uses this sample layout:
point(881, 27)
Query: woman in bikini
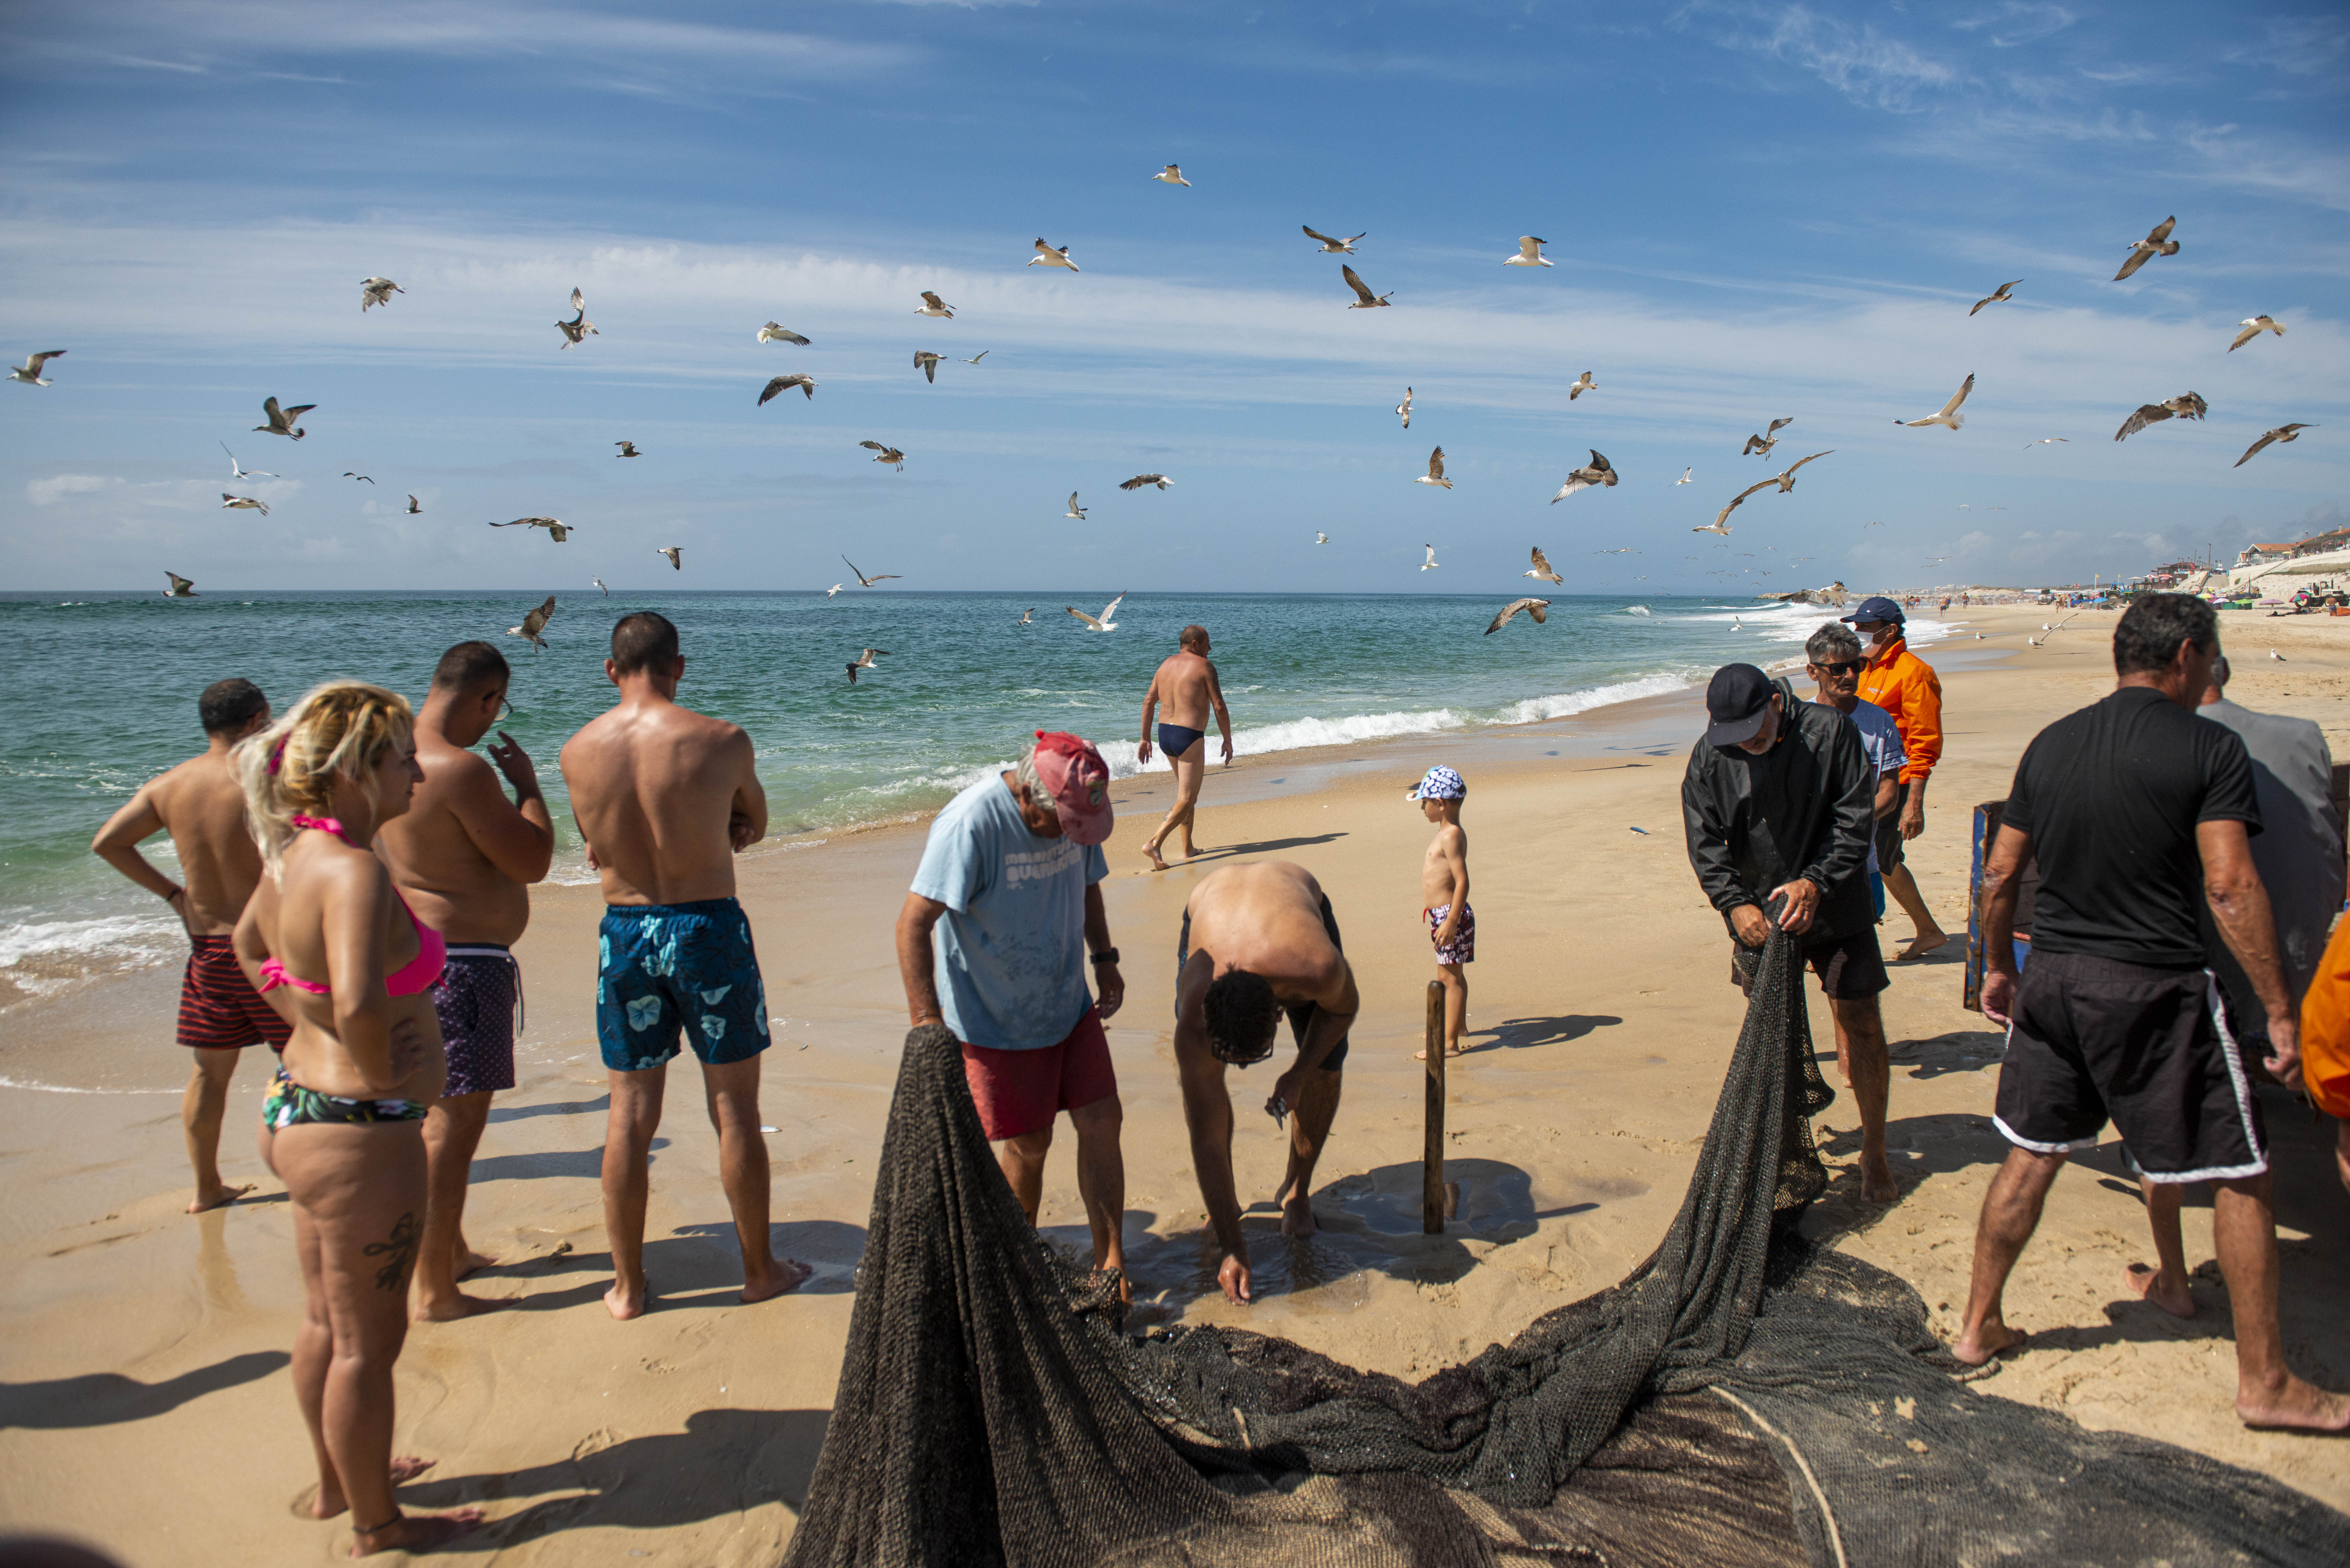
point(327, 940)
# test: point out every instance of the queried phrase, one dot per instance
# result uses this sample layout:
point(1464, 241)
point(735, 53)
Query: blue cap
point(1440, 783)
point(1877, 609)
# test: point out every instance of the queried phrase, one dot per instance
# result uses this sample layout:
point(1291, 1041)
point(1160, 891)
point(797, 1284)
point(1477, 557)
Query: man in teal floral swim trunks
point(666, 797)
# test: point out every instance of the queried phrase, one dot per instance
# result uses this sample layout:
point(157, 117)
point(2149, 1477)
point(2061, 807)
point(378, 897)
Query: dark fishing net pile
point(1740, 1397)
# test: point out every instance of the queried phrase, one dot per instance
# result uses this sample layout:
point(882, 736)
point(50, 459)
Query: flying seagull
point(2047, 441)
point(1174, 176)
point(30, 372)
point(364, 478)
point(412, 508)
point(1435, 474)
point(2253, 326)
point(1321, 538)
point(1139, 480)
point(578, 327)
point(1074, 510)
point(1542, 570)
point(1403, 409)
point(927, 364)
point(1950, 417)
point(1721, 524)
point(1364, 298)
point(1769, 438)
point(889, 454)
point(1786, 478)
point(182, 587)
point(1331, 245)
point(776, 332)
point(864, 582)
point(784, 384)
point(600, 584)
point(2283, 432)
point(376, 291)
point(1047, 256)
point(281, 421)
point(628, 449)
point(244, 502)
point(1684, 479)
point(556, 528)
point(1583, 384)
point(674, 553)
point(1431, 563)
point(1101, 622)
point(1025, 616)
point(236, 473)
point(933, 305)
point(975, 359)
point(1598, 471)
point(2157, 242)
point(865, 661)
point(2000, 295)
point(533, 623)
point(2186, 406)
point(1529, 253)
point(1538, 608)
point(835, 588)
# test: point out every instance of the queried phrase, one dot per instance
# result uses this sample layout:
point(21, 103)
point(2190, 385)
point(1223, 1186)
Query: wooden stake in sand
point(1431, 1159)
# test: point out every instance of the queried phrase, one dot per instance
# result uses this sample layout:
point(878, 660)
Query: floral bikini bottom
point(291, 1105)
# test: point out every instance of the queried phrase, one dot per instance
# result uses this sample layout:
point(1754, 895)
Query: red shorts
point(219, 1009)
point(1020, 1092)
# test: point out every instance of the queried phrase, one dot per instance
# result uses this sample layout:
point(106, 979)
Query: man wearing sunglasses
point(1905, 686)
point(463, 856)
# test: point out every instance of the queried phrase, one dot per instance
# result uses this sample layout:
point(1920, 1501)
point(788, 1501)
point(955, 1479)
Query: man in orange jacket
point(2325, 1042)
point(1905, 686)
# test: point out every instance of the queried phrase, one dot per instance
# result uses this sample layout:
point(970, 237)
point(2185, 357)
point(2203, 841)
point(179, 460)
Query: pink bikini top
point(419, 974)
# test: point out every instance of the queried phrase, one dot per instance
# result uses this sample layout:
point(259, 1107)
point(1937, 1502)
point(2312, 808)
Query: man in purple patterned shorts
point(464, 855)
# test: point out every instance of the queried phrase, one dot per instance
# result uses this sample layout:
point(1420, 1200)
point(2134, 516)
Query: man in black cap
point(1778, 803)
point(1905, 686)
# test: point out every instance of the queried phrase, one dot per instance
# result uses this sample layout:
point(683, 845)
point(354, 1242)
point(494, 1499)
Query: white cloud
point(45, 492)
point(2015, 23)
point(1863, 64)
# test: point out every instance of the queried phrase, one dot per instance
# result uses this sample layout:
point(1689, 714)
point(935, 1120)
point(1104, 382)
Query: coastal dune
point(144, 1402)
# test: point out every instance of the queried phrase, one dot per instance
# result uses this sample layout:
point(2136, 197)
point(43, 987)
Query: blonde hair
point(338, 727)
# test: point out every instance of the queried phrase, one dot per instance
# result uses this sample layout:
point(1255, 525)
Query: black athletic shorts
point(1888, 833)
point(1300, 1013)
point(1849, 966)
point(2093, 1039)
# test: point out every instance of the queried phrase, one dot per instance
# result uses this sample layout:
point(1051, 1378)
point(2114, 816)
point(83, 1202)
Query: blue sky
point(1756, 211)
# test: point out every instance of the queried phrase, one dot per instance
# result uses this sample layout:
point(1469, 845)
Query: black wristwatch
point(1108, 955)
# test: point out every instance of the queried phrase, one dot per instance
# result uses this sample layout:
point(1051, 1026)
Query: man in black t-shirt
point(2138, 811)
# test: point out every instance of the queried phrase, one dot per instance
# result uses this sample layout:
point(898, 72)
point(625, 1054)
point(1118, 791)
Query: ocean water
point(102, 696)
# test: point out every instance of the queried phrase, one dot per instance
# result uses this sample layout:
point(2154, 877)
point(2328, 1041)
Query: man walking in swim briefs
point(666, 798)
point(1183, 692)
point(1777, 803)
point(1905, 686)
point(2139, 812)
point(993, 942)
point(200, 804)
point(464, 855)
point(1259, 941)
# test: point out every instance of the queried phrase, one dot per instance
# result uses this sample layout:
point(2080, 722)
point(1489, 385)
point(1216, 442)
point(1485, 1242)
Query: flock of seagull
point(1598, 474)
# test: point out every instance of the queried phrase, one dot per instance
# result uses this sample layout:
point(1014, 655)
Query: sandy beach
point(144, 1400)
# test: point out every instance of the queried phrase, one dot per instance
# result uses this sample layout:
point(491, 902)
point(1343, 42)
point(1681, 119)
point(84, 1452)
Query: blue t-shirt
point(1011, 948)
point(1880, 741)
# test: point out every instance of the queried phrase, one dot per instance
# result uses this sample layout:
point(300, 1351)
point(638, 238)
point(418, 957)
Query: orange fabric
point(1906, 686)
point(2325, 1029)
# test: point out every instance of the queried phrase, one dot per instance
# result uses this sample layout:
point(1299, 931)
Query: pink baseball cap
point(1075, 775)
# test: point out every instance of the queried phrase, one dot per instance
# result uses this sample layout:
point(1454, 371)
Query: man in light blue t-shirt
point(993, 942)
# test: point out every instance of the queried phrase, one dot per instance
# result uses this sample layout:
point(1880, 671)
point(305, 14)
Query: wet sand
point(144, 1403)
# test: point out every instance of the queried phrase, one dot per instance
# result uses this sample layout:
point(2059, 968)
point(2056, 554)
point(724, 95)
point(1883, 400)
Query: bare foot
point(2156, 1286)
point(789, 1273)
point(218, 1198)
point(469, 1262)
point(456, 1304)
point(1996, 1339)
point(1450, 1051)
point(1157, 864)
point(326, 1501)
point(415, 1531)
point(626, 1298)
point(1927, 943)
point(1877, 1181)
point(2293, 1404)
point(1298, 1218)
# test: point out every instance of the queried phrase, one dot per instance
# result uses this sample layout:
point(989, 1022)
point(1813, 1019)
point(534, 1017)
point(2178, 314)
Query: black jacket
point(1805, 808)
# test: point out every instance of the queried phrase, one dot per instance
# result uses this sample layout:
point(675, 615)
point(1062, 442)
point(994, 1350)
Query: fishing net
point(1741, 1397)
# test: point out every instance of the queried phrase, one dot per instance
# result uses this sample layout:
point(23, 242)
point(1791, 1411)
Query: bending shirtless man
point(666, 798)
point(1258, 941)
point(202, 806)
point(1181, 693)
point(464, 855)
